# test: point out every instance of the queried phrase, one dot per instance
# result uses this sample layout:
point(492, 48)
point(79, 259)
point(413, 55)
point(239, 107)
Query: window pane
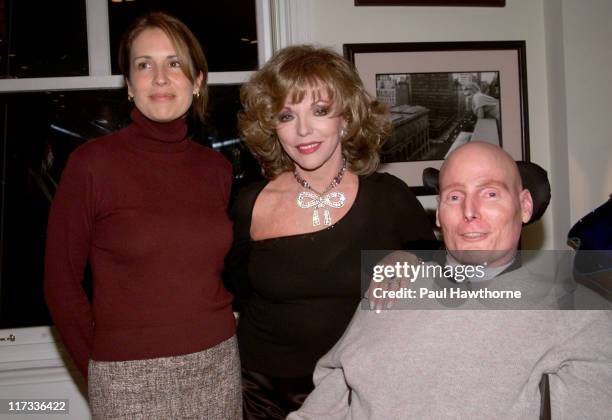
point(43, 38)
point(37, 144)
point(222, 133)
point(226, 29)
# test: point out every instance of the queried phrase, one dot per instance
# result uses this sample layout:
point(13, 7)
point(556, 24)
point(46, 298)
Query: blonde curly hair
point(291, 74)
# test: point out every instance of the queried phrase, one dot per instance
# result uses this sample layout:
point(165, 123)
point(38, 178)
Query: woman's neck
point(153, 136)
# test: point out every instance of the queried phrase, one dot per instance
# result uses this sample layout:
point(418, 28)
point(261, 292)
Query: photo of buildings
point(431, 112)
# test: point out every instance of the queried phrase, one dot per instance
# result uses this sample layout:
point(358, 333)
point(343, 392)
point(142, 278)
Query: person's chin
point(310, 162)
point(472, 245)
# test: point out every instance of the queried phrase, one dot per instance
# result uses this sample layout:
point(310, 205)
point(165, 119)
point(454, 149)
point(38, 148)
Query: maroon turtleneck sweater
point(147, 207)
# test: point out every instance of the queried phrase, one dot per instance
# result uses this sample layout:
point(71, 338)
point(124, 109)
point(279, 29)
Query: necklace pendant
point(313, 198)
point(327, 217)
point(315, 218)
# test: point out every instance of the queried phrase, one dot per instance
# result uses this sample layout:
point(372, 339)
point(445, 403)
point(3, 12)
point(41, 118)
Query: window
point(40, 129)
point(232, 29)
point(44, 118)
point(40, 39)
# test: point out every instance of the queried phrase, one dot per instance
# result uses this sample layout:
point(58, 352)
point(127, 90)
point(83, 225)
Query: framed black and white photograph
point(442, 95)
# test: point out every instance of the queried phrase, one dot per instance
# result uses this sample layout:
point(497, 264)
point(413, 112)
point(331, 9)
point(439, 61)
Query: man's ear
point(526, 205)
point(437, 219)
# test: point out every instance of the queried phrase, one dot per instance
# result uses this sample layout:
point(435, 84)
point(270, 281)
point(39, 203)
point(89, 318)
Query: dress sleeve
point(69, 234)
point(415, 230)
point(225, 177)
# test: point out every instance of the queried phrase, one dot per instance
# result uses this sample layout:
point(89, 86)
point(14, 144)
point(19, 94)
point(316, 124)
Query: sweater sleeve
point(69, 234)
point(580, 382)
point(330, 398)
point(236, 276)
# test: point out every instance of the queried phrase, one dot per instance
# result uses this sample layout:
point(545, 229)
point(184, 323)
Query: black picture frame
point(507, 58)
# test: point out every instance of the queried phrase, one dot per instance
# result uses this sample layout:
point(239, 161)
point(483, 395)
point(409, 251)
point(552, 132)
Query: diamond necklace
point(318, 200)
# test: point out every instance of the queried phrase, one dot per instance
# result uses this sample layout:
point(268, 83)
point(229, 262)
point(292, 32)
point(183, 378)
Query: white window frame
point(99, 56)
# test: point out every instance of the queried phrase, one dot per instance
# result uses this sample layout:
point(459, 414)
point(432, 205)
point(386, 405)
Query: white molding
point(230, 77)
point(29, 376)
point(291, 22)
point(61, 83)
point(98, 44)
point(265, 30)
point(34, 344)
point(298, 21)
point(557, 111)
point(101, 82)
point(279, 29)
point(32, 356)
point(98, 38)
point(34, 366)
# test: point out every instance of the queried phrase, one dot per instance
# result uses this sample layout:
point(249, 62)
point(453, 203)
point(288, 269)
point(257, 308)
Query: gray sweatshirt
point(466, 364)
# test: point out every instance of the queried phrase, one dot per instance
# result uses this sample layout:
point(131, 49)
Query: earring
point(196, 93)
point(342, 133)
point(130, 97)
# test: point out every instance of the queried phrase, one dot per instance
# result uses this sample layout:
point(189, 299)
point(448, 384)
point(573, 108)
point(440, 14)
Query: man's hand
point(389, 284)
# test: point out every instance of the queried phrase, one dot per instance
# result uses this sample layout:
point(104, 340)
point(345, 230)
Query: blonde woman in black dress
point(298, 236)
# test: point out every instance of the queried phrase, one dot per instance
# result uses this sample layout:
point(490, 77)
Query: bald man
point(482, 204)
point(470, 364)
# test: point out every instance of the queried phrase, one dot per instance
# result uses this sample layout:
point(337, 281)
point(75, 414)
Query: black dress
point(296, 294)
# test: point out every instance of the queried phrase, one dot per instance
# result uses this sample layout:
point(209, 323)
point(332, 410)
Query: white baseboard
point(34, 365)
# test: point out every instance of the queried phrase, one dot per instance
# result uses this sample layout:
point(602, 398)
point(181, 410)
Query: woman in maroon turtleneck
point(146, 207)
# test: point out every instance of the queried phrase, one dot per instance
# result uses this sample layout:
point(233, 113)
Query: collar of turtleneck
point(159, 137)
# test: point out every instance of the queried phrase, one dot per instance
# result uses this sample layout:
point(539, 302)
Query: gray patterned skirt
point(203, 385)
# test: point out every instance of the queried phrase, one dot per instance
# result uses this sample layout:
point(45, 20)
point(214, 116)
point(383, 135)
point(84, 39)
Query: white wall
point(338, 22)
point(587, 39)
point(569, 57)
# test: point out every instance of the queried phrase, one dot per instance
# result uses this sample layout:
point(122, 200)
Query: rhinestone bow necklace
point(321, 200)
